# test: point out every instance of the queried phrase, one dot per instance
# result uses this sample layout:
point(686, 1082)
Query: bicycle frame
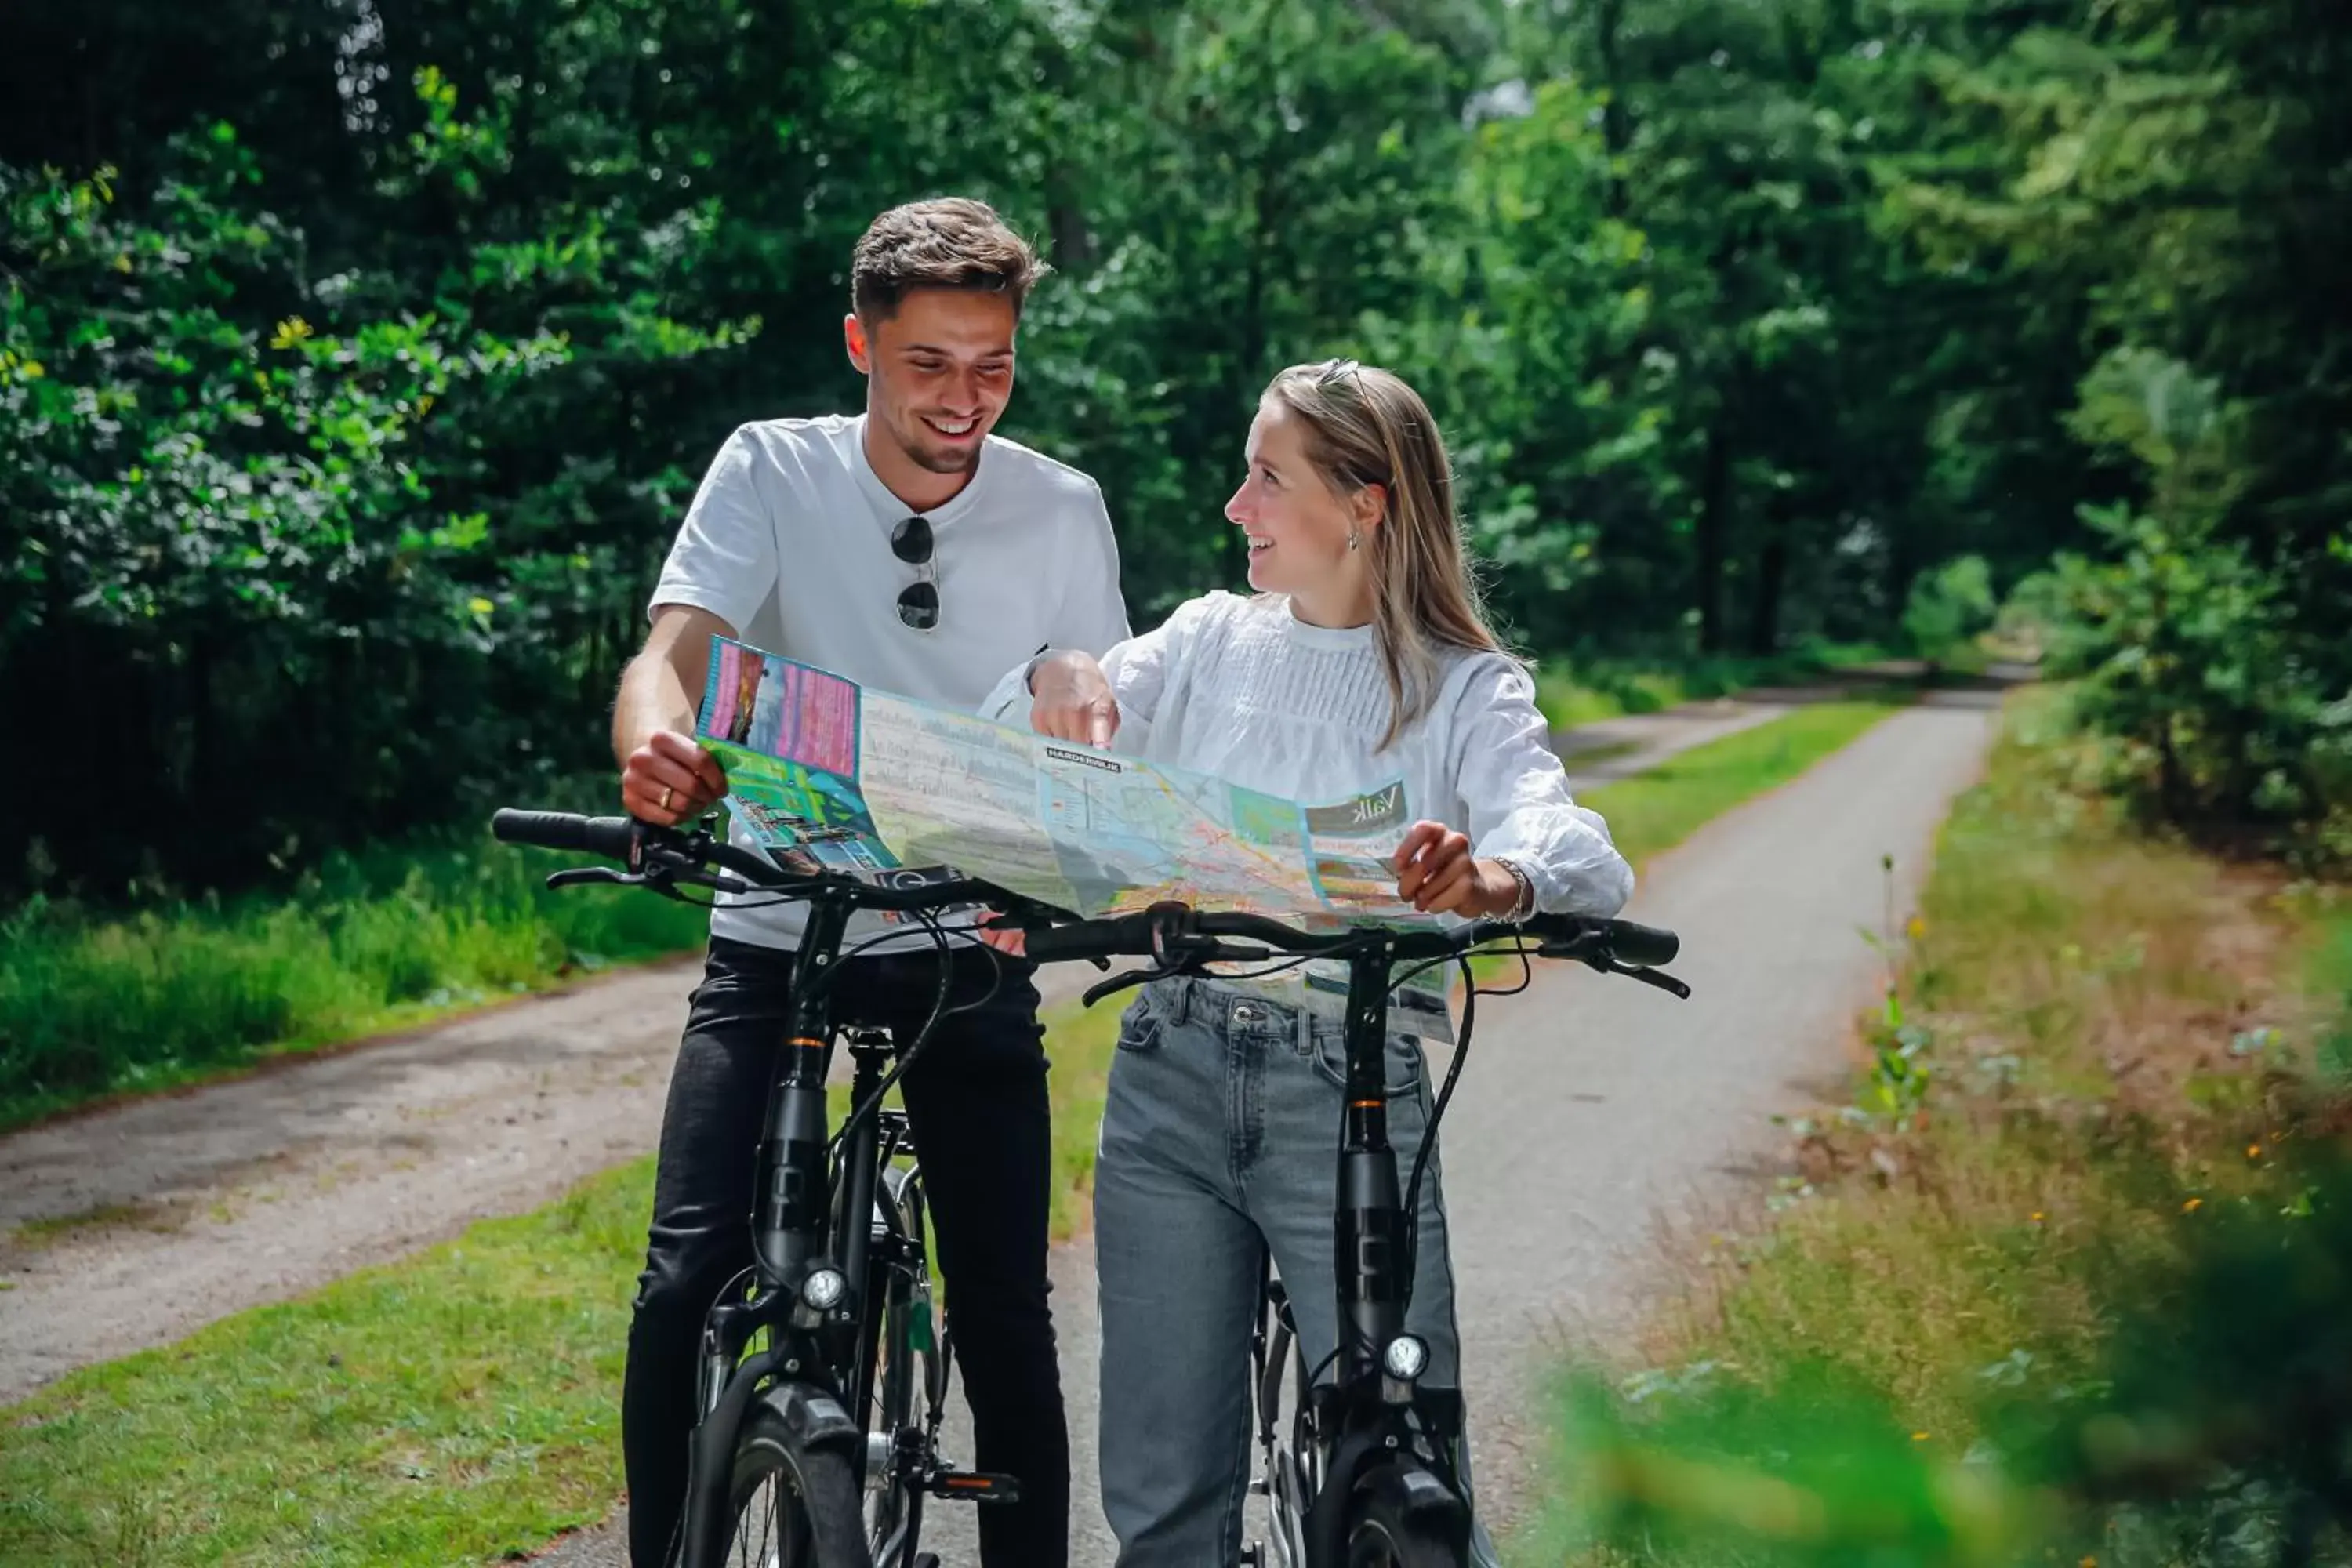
point(1361, 1425)
point(811, 1354)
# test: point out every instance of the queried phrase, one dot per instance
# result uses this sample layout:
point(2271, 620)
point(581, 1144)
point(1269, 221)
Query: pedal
point(1253, 1555)
point(975, 1486)
point(927, 1560)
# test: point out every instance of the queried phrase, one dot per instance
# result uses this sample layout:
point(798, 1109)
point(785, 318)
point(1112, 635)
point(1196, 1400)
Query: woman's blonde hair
point(1364, 425)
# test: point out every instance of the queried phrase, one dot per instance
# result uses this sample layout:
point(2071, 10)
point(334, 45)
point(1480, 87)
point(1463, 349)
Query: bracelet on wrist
point(1524, 905)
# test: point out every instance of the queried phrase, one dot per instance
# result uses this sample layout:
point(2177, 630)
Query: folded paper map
point(823, 773)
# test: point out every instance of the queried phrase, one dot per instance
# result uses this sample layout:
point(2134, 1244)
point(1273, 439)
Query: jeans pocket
point(1401, 1067)
point(1139, 1026)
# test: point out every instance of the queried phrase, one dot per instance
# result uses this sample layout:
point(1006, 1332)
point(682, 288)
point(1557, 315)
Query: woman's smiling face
point(1296, 526)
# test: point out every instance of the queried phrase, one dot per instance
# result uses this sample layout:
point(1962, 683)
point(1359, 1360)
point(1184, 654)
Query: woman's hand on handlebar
point(670, 779)
point(1437, 875)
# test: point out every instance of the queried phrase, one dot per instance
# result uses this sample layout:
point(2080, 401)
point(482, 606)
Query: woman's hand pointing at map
point(1071, 699)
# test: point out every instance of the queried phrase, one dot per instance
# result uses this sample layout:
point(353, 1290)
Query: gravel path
point(1595, 1110)
point(183, 1208)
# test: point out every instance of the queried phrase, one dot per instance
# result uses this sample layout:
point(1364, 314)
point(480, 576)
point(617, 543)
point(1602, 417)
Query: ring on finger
point(667, 791)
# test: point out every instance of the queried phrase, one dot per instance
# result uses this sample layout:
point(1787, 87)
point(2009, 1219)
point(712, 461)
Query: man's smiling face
point(940, 372)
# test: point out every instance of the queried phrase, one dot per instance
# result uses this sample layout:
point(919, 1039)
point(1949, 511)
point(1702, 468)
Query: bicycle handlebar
point(669, 853)
point(1154, 932)
point(612, 837)
point(1171, 934)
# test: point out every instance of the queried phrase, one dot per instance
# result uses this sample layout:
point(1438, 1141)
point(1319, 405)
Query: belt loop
point(1306, 1020)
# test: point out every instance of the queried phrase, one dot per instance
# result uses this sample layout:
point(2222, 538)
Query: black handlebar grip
point(611, 836)
point(1645, 947)
point(1124, 935)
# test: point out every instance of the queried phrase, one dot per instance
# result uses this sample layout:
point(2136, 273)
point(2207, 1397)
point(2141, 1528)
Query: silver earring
point(1352, 539)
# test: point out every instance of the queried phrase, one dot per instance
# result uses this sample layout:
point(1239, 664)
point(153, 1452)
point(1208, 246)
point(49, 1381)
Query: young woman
point(1362, 662)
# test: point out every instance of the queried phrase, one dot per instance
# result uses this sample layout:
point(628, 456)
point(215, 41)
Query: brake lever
point(1592, 952)
point(716, 881)
point(1191, 962)
point(1657, 977)
point(577, 876)
point(1118, 983)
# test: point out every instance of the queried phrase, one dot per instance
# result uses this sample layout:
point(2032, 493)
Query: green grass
point(50, 1228)
point(1583, 690)
point(93, 1007)
point(462, 1404)
point(447, 1408)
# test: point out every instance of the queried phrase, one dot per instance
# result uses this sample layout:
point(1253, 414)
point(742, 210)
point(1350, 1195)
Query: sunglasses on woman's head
point(910, 541)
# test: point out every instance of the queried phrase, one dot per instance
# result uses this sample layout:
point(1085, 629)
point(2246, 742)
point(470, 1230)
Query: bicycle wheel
point(904, 1352)
point(893, 1505)
point(1382, 1536)
point(792, 1507)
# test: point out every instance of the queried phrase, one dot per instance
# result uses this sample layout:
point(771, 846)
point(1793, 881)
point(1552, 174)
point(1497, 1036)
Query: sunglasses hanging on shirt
point(919, 606)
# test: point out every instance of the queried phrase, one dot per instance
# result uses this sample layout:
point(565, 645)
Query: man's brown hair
point(951, 242)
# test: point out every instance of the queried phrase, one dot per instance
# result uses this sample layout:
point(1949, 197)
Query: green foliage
point(2215, 1428)
point(2223, 697)
point(2162, 171)
point(1581, 688)
point(242, 509)
point(1948, 606)
point(348, 422)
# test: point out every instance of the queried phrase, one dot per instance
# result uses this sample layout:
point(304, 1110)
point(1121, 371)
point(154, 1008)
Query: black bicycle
point(1367, 1476)
point(823, 1377)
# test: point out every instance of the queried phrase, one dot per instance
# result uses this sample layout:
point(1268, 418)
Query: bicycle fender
point(1417, 1492)
point(1361, 1464)
point(813, 1416)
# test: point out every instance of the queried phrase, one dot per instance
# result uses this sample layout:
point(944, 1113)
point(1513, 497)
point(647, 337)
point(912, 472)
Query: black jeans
point(976, 1101)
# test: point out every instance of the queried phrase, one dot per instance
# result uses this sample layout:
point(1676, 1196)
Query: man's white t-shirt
point(788, 541)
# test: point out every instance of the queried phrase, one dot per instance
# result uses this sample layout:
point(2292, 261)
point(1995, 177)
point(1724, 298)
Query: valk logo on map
point(1363, 817)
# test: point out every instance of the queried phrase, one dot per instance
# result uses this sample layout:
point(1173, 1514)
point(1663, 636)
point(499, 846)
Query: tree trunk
point(1616, 125)
point(1252, 344)
point(1771, 574)
point(1714, 528)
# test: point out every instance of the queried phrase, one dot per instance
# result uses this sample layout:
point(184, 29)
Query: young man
point(909, 550)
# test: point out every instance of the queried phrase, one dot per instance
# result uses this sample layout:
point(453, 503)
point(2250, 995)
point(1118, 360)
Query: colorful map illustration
point(825, 774)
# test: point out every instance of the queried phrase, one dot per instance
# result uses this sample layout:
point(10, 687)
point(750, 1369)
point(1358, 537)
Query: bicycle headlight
point(822, 1288)
point(1405, 1359)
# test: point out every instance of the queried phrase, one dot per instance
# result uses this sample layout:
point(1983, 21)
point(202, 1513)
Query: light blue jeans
point(1221, 1136)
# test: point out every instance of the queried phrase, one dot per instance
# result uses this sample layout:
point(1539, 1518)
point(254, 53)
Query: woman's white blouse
point(1242, 689)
